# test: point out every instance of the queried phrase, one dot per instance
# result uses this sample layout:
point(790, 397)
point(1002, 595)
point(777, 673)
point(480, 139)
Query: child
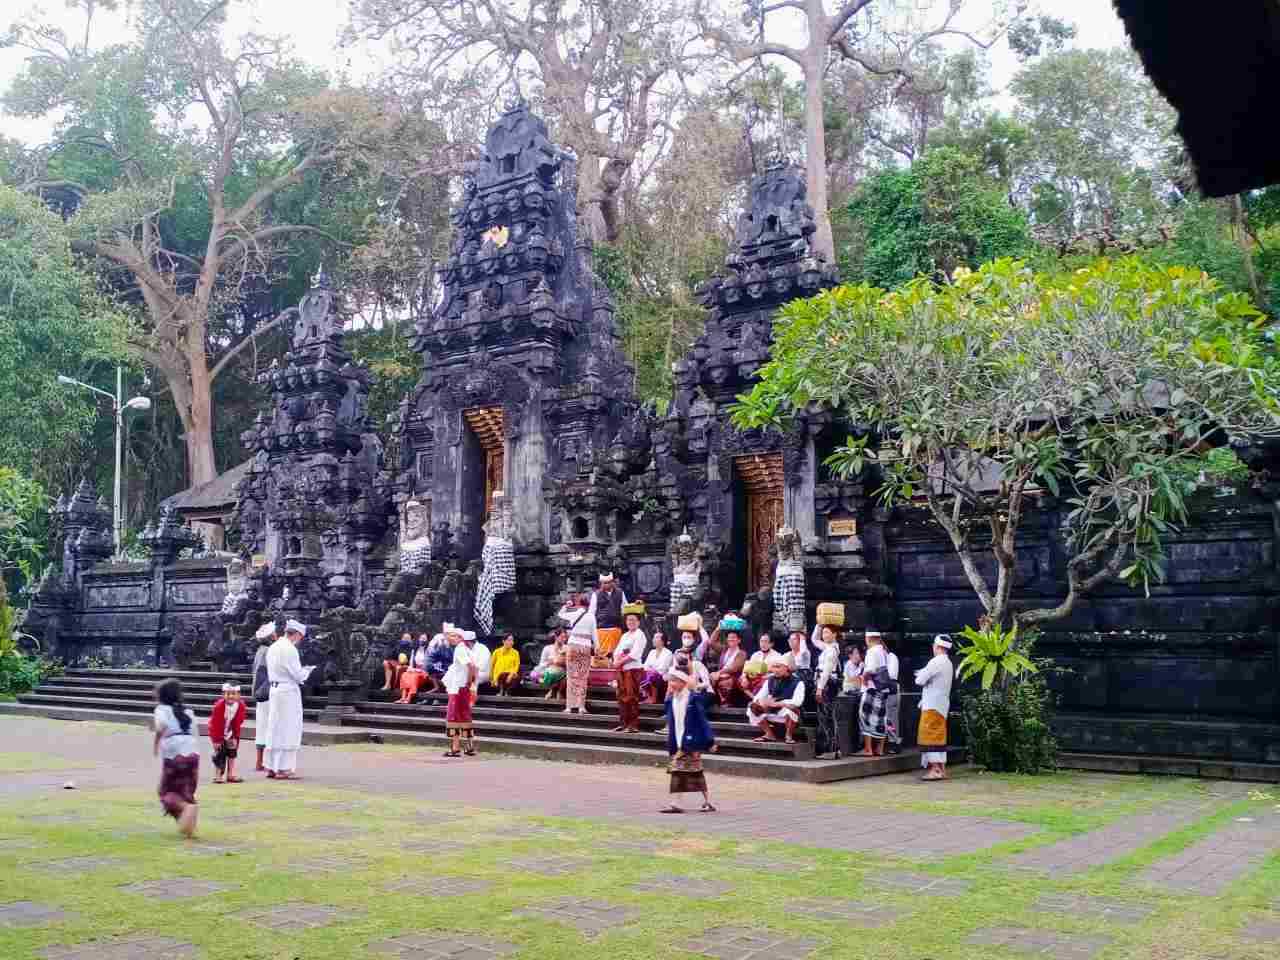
point(176, 743)
point(688, 737)
point(224, 732)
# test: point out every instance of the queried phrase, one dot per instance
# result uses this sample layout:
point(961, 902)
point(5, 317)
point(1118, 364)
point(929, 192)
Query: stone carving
point(498, 574)
point(415, 548)
point(686, 571)
point(788, 582)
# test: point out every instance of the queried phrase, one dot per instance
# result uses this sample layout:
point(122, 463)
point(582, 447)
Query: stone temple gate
point(525, 432)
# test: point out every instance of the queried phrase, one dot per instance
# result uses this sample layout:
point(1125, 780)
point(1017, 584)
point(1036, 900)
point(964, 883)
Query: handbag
point(261, 684)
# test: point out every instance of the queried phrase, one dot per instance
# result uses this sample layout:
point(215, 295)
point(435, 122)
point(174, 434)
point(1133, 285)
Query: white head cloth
point(449, 629)
point(295, 626)
point(606, 578)
point(227, 688)
point(469, 636)
point(942, 640)
point(266, 630)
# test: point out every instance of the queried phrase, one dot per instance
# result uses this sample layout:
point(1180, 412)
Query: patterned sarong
point(578, 660)
point(498, 576)
point(871, 713)
point(606, 639)
point(788, 595)
point(683, 587)
point(551, 676)
point(179, 778)
point(457, 716)
point(686, 774)
point(629, 698)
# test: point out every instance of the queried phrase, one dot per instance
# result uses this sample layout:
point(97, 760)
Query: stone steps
point(97, 700)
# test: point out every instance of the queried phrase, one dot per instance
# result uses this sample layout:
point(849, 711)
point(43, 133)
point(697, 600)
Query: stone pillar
point(797, 502)
point(526, 464)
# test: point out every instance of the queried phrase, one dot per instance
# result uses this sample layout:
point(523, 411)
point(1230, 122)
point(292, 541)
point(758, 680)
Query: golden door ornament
point(762, 483)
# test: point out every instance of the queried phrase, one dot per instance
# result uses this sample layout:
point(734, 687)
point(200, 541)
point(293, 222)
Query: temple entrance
point(762, 484)
point(487, 424)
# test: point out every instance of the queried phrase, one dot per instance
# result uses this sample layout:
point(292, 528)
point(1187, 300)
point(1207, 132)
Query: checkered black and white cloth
point(683, 586)
point(788, 594)
point(498, 576)
point(414, 559)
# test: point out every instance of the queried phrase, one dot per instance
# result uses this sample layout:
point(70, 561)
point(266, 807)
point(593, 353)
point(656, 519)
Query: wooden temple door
point(762, 483)
point(487, 424)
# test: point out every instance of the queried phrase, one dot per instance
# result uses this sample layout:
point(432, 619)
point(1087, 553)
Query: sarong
point(931, 735)
point(788, 595)
point(261, 720)
point(751, 685)
point(179, 778)
point(653, 684)
point(222, 754)
point(827, 738)
point(578, 660)
point(551, 676)
point(686, 774)
point(629, 698)
point(457, 715)
point(497, 576)
point(606, 640)
point(871, 712)
point(892, 710)
point(725, 686)
point(411, 681)
point(683, 587)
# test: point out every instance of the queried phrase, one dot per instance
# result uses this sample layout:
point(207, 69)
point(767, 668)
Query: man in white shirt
point(628, 657)
point(875, 696)
point(893, 703)
point(458, 680)
point(287, 675)
point(780, 700)
point(935, 703)
point(481, 654)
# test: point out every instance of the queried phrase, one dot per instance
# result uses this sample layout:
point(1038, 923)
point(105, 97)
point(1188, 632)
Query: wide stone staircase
point(524, 724)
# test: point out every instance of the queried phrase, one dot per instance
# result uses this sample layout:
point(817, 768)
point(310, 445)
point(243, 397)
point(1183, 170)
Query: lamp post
point(137, 403)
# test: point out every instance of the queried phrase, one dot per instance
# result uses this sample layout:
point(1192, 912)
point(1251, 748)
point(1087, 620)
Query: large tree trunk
point(591, 198)
point(201, 463)
point(815, 139)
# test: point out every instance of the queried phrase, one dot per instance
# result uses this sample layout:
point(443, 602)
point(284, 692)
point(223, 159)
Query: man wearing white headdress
point(935, 703)
point(287, 675)
point(606, 607)
point(265, 636)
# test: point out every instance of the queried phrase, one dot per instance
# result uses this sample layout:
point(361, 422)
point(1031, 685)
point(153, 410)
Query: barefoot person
point(935, 703)
point(875, 697)
point(287, 675)
point(779, 701)
point(582, 637)
point(504, 667)
point(394, 666)
point(457, 683)
point(653, 679)
point(179, 749)
point(688, 737)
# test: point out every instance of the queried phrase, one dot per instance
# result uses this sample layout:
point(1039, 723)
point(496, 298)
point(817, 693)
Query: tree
point(610, 73)
point(984, 396)
point(22, 507)
point(186, 141)
point(871, 34)
point(942, 213)
point(52, 320)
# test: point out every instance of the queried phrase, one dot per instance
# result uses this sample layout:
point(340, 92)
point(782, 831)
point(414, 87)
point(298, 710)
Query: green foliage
point(19, 673)
point(1008, 731)
point(992, 654)
point(22, 510)
point(943, 212)
point(1098, 386)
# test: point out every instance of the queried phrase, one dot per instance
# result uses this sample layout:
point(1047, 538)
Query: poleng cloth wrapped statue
point(788, 582)
point(499, 564)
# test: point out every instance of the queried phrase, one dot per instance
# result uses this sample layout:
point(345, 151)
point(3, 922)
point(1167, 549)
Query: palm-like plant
point(992, 652)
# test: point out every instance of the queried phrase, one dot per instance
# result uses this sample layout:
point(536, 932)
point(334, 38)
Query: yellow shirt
point(504, 661)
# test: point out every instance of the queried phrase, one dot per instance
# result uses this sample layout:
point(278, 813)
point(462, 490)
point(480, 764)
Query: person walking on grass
point(224, 732)
point(688, 737)
point(287, 675)
point(178, 746)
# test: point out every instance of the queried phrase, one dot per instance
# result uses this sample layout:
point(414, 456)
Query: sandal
point(271, 774)
point(234, 780)
point(709, 808)
point(671, 808)
point(452, 753)
point(469, 753)
point(764, 739)
point(790, 740)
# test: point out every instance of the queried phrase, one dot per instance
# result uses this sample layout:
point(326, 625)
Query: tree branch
point(257, 332)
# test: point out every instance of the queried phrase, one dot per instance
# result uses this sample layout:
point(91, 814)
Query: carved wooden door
point(487, 423)
point(761, 482)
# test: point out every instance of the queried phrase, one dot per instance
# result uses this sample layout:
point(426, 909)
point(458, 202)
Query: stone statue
point(237, 598)
point(788, 582)
point(498, 574)
point(415, 548)
point(686, 571)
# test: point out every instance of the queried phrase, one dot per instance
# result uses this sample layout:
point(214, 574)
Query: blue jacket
point(698, 736)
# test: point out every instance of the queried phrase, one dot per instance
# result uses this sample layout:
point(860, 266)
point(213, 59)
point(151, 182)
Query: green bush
point(1008, 729)
point(19, 673)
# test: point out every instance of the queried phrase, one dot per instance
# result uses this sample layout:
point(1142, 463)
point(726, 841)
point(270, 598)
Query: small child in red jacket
point(224, 731)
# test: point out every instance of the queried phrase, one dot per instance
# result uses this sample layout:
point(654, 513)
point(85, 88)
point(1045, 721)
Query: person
point(582, 634)
point(802, 657)
point(457, 682)
point(395, 665)
point(826, 639)
point(224, 732)
point(875, 696)
point(416, 672)
point(628, 658)
point(852, 671)
point(653, 679)
point(688, 737)
point(287, 674)
point(697, 670)
point(779, 701)
point(606, 608)
point(505, 666)
point(550, 671)
point(265, 636)
point(893, 703)
point(934, 682)
point(179, 749)
point(732, 660)
point(756, 671)
point(483, 659)
point(439, 659)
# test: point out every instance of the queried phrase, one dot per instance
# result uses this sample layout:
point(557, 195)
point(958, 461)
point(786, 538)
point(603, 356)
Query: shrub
point(1008, 728)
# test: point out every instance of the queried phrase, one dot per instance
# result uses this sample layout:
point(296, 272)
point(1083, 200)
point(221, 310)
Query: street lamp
point(137, 403)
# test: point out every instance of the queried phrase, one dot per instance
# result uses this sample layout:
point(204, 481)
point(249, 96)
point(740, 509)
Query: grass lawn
point(286, 843)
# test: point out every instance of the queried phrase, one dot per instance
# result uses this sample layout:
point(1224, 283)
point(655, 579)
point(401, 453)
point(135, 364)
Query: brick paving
point(733, 943)
point(215, 849)
point(925, 883)
point(431, 846)
point(126, 948)
point(297, 916)
point(1211, 864)
point(439, 886)
point(332, 831)
point(433, 945)
point(1265, 929)
point(692, 888)
point(589, 917)
point(25, 913)
point(1094, 908)
point(842, 911)
point(346, 863)
point(549, 866)
point(1044, 943)
point(176, 888)
point(75, 865)
point(1119, 839)
point(764, 861)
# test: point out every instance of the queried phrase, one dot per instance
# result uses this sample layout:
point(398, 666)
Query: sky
point(313, 26)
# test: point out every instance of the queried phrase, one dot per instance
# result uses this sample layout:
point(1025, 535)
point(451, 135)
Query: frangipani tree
point(983, 394)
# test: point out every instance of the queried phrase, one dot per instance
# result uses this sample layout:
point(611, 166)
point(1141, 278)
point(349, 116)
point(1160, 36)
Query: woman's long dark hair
point(169, 693)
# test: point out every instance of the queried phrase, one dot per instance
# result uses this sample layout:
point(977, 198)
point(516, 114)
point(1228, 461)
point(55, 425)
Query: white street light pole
point(137, 403)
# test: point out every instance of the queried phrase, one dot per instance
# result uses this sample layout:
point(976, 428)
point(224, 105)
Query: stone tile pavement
point(437, 886)
point(25, 913)
point(1043, 943)
point(125, 948)
point(76, 865)
point(693, 888)
point(1094, 908)
point(347, 863)
point(1119, 839)
point(1266, 929)
point(297, 916)
point(176, 888)
point(764, 861)
point(1211, 864)
point(907, 882)
point(589, 917)
point(551, 866)
point(433, 945)
point(733, 943)
point(843, 911)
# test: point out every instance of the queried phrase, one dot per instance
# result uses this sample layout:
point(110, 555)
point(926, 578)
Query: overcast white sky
point(314, 25)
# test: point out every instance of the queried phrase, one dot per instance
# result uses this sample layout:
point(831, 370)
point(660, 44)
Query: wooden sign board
point(842, 528)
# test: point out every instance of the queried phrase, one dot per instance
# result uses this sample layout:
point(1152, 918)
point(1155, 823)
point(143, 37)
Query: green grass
point(127, 824)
